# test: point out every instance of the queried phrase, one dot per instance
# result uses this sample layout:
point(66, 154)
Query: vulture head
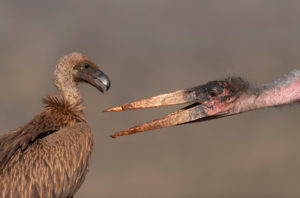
point(81, 69)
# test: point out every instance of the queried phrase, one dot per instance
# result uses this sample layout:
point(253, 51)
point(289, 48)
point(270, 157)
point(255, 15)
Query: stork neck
point(66, 85)
point(283, 91)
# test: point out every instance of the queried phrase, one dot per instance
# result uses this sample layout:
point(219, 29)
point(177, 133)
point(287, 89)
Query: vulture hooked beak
point(98, 79)
point(213, 100)
point(101, 81)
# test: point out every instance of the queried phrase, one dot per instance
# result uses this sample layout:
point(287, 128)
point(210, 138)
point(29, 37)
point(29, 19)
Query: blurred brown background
point(153, 47)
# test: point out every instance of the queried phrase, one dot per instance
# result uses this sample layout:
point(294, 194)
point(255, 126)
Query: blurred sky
point(153, 47)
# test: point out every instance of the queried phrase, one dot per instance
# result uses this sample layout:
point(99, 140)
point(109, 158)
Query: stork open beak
point(207, 101)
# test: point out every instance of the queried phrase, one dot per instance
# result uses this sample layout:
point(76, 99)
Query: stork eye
point(86, 66)
point(230, 99)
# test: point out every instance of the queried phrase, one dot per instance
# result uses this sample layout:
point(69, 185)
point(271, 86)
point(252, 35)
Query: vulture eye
point(86, 66)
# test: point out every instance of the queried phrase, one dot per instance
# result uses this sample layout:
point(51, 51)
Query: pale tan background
point(152, 47)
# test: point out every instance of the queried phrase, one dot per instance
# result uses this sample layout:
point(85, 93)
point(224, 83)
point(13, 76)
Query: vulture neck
point(283, 91)
point(66, 85)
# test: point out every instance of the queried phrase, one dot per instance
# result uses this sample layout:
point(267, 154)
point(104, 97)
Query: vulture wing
point(41, 126)
point(65, 152)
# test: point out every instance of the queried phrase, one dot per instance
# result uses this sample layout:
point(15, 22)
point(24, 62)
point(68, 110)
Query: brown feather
point(47, 170)
point(57, 114)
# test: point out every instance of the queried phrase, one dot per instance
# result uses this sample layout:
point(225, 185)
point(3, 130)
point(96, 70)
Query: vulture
point(216, 99)
point(49, 156)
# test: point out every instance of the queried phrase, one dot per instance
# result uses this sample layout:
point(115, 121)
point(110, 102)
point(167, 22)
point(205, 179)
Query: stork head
point(212, 100)
point(81, 69)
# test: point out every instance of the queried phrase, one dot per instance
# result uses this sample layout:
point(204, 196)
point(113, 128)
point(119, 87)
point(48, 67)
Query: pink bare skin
point(216, 99)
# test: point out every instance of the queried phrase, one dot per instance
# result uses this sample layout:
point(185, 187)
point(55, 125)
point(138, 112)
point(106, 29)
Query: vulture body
point(49, 156)
point(216, 99)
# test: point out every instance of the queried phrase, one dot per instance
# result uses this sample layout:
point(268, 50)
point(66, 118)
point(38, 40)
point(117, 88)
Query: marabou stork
point(216, 99)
